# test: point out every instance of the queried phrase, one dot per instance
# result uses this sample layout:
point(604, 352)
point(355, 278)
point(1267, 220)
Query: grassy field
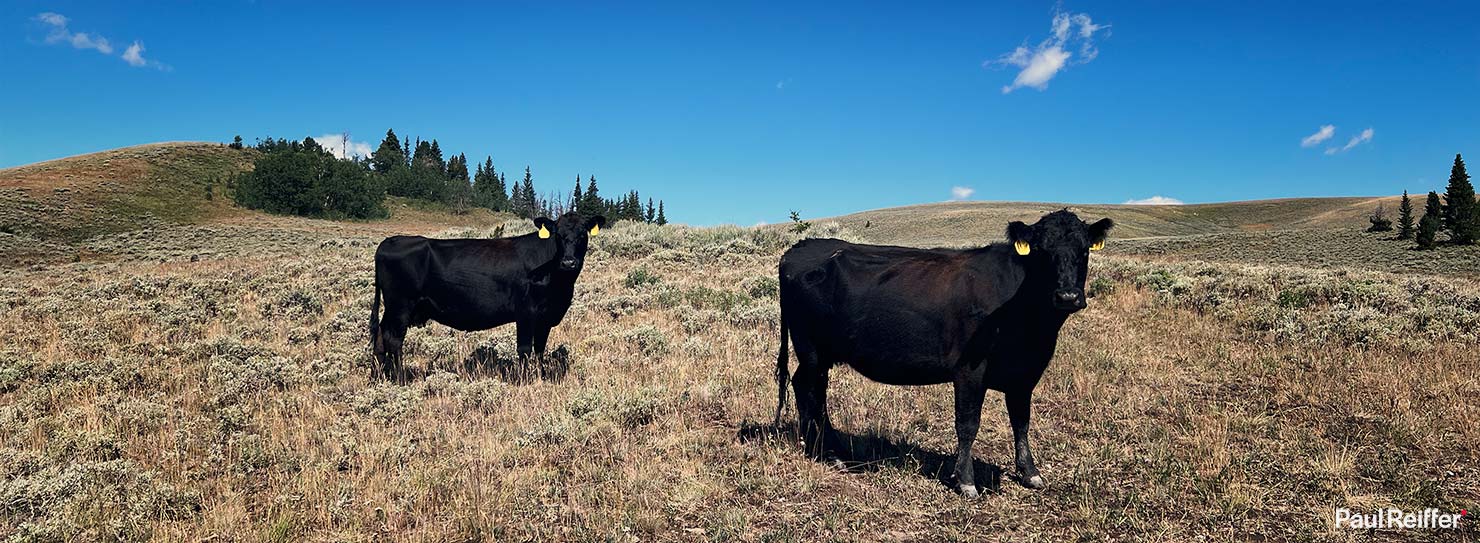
point(207, 380)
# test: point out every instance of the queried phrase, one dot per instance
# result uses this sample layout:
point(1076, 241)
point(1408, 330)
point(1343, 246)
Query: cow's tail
point(375, 318)
point(781, 374)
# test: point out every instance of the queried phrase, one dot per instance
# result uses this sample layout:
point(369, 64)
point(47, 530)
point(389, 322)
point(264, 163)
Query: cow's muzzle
point(569, 264)
point(1069, 299)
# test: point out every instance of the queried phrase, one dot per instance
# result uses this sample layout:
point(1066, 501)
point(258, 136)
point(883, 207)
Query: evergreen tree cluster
point(301, 178)
point(1458, 214)
point(627, 207)
point(419, 170)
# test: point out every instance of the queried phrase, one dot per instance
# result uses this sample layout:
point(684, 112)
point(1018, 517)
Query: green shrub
point(1100, 287)
point(640, 276)
point(763, 286)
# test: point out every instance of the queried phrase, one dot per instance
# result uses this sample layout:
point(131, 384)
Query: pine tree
point(490, 189)
point(1461, 218)
point(575, 195)
point(389, 155)
point(525, 201)
point(1405, 218)
point(461, 190)
point(406, 149)
point(236, 143)
point(662, 219)
point(1429, 225)
point(650, 214)
point(436, 161)
point(591, 203)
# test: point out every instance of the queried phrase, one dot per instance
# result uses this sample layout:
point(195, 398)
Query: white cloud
point(781, 85)
point(1041, 63)
point(59, 33)
point(1362, 138)
point(1321, 135)
point(334, 144)
point(1157, 200)
point(961, 193)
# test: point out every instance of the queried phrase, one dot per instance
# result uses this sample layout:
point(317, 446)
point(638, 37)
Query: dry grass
point(211, 384)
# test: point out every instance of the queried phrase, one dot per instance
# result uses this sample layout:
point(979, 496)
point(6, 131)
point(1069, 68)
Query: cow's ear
point(543, 226)
point(1098, 232)
point(594, 224)
point(1021, 236)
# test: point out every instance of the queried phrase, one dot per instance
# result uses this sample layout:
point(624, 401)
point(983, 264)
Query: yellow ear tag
point(1022, 247)
point(595, 229)
point(544, 234)
point(1097, 246)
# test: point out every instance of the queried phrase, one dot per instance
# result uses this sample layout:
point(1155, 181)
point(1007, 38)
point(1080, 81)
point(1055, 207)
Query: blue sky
point(737, 113)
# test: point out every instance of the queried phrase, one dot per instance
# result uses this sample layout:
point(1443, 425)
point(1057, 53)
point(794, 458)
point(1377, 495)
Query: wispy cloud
point(1155, 201)
point(781, 85)
point(1041, 63)
point(58, 32)
point(1356, 140)
point(335, 145)
point(961, 193)
point(1321, 135)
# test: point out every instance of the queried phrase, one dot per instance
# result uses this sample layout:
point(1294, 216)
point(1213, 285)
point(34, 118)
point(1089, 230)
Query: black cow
point(477, 284)
point(978, 318)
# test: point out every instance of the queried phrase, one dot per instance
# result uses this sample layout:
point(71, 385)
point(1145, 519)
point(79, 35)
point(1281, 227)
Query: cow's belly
point(907, 371)
point(471, 323)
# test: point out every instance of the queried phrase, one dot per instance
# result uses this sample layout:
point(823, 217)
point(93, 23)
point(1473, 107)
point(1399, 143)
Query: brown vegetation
point(211, 382)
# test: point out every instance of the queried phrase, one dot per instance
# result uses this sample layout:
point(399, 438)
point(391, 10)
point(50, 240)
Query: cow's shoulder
point(395, 246)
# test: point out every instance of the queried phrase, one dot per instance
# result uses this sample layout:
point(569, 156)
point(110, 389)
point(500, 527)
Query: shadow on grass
point(870, 453)
point(485, 361)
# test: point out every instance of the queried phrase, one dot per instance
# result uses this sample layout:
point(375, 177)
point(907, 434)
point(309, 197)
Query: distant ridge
point(965, 223)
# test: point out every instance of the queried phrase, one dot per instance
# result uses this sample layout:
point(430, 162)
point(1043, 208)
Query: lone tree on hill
point(1405, 218)
point(1380, 221)
point(1428, 226)
point(1461, 218)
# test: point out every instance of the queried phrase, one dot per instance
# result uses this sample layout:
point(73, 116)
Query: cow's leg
point(969, 390)
point(541, 339)
point(524, 338)
point(388, 346)
point(1019, 410)
point(809, 384)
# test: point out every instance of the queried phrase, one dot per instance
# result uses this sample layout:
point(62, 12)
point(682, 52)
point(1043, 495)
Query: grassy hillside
point(70, 208)
point(954, 223)
point(77, 197)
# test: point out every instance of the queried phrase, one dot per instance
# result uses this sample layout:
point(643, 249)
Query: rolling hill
point(952, 223)
point(49, 210)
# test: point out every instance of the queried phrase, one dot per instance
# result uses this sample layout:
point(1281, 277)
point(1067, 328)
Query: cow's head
point(1059, 244)
point(570, 234)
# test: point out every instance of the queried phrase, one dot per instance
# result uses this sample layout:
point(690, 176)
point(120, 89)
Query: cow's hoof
point(1035, 482)
point(968, 491)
